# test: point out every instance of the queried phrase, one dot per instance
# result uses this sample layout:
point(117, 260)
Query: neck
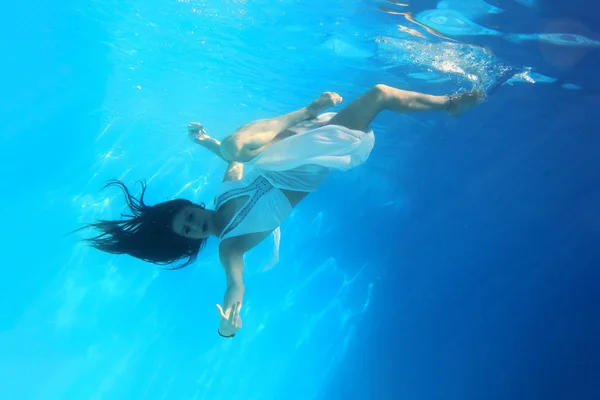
point(217, 224)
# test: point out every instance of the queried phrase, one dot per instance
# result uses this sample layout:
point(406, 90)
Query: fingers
point(237, 322)
point(337, 99)
point(196, 128)
point(221, 313)
point(234, 319)
point(231, 315)
point(235, 313)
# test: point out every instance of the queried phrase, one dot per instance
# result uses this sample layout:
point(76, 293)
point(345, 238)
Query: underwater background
point(460, 262)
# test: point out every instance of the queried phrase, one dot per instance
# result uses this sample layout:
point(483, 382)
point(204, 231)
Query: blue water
point(460, 262)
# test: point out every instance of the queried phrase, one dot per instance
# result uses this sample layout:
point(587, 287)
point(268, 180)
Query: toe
point(335, 98)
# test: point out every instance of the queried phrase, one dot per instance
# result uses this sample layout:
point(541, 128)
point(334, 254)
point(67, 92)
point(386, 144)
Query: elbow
point(236, 287)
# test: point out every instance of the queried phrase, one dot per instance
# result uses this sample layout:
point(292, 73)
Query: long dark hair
point(147, 233)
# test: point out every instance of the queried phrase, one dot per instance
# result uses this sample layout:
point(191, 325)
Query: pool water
point(460, 262)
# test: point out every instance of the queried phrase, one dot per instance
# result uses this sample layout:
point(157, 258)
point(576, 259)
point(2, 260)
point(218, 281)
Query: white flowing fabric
point(303, 161)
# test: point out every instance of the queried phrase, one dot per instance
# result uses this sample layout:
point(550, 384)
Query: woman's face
point(193, 222)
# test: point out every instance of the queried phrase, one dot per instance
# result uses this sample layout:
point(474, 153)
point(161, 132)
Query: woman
point(272, 165)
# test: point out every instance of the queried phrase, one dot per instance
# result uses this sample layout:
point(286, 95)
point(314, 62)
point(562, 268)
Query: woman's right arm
point(198, 134)
point(235, 170)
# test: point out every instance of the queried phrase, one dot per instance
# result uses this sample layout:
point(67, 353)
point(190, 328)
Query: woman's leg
point(359, 114)
point(251, 139)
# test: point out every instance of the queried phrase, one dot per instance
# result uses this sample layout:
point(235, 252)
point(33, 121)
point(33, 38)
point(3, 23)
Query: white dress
point(301, 162)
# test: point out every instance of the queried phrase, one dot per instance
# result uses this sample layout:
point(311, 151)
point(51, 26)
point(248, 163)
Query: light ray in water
point(390, 11)
point(103, 131)
point(345, 49)
point(398, 3)
point(527, 3)
point(470, 9)
point(558, 39)
point(409, 17)
point(428, 76)
point(450, 22)
point(410, 31)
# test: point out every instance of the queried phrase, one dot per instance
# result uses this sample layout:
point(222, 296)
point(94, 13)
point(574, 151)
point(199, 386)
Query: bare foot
point(326, 100)
point(461, 103)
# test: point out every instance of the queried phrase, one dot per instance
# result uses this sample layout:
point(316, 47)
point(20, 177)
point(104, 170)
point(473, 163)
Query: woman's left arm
point(229, 314)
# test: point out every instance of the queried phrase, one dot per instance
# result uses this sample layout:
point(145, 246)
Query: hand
point(196, 130)
point(230, 319)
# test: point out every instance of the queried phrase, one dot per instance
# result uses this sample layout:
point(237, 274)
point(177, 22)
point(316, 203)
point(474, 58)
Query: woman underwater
point(272, 165)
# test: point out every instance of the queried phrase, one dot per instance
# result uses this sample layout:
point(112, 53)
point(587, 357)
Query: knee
point(381, 88)
point(230, 148)
point(380, 91)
